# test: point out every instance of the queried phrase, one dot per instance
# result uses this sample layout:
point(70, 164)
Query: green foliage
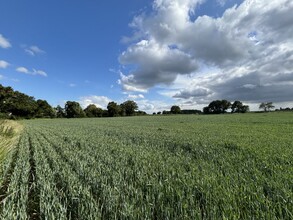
point(73, 110)
point(16, 104)
point(238, 107)
point(175, 109)
point(217, 107)
point(221, 106)
point(113, 109)
point(60, 112)
point(93, 111)
point(129, 107)
point(44, 110)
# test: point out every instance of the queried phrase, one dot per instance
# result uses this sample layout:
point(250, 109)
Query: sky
point(158, 53)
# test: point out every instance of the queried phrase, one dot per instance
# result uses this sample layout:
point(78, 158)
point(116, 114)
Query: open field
point(154, 167)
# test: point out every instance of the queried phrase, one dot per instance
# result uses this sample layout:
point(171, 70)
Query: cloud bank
point(244, 54)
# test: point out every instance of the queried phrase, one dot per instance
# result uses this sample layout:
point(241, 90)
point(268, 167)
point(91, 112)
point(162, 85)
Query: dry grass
point(9, 134)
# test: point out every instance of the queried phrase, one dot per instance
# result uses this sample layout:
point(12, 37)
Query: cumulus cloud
point(32, 72)
point(250, 47)
point(155, 64)
point(4, 43)
point(151, 106)
point(99, 101)
point(4, 64)
point(33, 50)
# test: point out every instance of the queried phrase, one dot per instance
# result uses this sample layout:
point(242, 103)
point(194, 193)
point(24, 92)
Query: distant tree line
point(287, 109)
point(215, 107)
point(175, 109)
point(14, 104)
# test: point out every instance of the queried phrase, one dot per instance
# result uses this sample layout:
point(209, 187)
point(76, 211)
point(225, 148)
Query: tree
point(44, 109)
point(238, 107)
point(113, 109)
point(266, 106)
point(73, 110)
point(17, 103)
point(60, 112)
point(129, 107)
point(217, 107)
point(93, 111)
point(175, 109)
point(21, 105)
point(207, 110)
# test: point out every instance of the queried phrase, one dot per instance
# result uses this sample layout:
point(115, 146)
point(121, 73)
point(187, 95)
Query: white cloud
point(39, 72)
point(33, 50)
point(139, 96)
point(249, 48)
point(33, 72)
point(151, 106)
point(4, 64)
point(99, 101)
point(72, 85)
point(4, 43)
point(22, 70)
point(1, 77)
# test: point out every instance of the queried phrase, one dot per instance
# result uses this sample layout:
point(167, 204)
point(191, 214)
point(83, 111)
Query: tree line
point(73, 109)
point(14, 104)
point(214, 107)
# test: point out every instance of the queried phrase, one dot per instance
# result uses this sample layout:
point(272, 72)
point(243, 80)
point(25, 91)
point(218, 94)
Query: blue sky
point(158, 53)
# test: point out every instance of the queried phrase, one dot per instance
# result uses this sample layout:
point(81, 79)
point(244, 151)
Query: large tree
point(175, 109)
point(238, 107)
point(73, 110)
point(217, 107)
point(17, 103)
point(266, 106)
point(93, 111)
point(113, 109)
point(44, 109)
point(129, 107)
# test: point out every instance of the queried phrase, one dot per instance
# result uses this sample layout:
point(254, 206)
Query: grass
point(236, 166)
point(9, 133)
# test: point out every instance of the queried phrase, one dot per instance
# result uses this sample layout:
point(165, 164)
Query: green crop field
point(236, 166)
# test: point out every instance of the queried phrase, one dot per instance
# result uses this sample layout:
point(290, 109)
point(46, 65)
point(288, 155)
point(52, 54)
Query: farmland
point(236, 166)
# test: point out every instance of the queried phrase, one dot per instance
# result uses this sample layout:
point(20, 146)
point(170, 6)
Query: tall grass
point(9, 133)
